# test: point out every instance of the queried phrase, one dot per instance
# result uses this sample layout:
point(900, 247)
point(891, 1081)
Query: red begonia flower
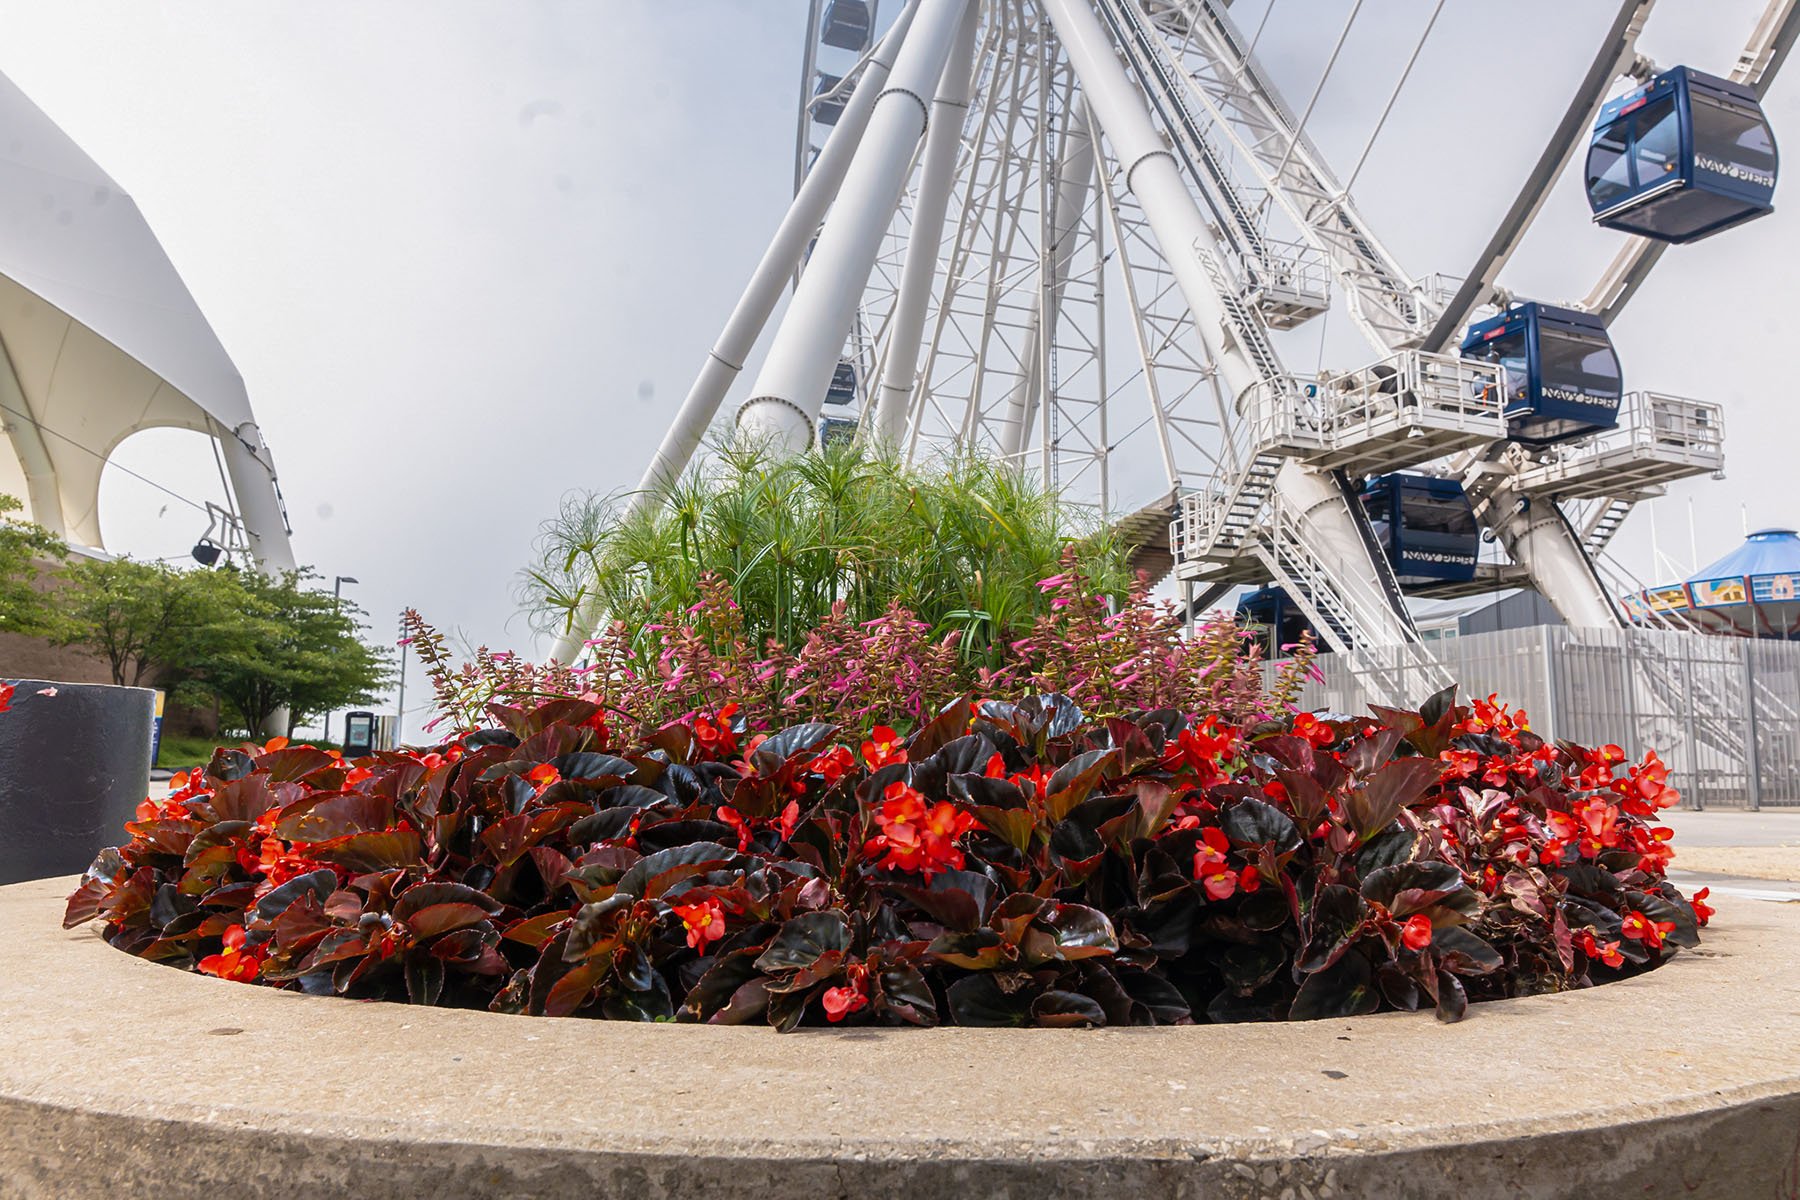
point(1606, 952)
point(915, 837)
point(1314, 730)
point(233, 962)
point(883, 748)
point(1416, 933)
point(1641, 928)
point(704, 922)
point(1220, 884)
point(715, 734)
point(1703, 912)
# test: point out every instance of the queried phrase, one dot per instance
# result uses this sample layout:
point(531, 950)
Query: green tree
point(25, 550)
point(290, 647)
point(149, 621)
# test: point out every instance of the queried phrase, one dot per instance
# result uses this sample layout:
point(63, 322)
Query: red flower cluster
point(1202, 754)
point(851, 996)
point(883, 747)
point(235, 961)
point(704, 922)
point(746, 827)
point(916, 836)
point(714, 733)
point(1218, 880)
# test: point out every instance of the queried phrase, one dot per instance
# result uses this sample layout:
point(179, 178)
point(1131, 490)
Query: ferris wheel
point(1071, 232)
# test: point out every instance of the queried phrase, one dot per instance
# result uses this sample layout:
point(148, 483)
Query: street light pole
point(400, 707)
point(337, 604)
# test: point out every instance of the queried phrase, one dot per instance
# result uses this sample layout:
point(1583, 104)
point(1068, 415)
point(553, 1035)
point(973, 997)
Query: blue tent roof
point(1765, 552)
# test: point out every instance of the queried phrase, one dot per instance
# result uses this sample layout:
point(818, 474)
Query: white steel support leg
point(785, 401)
point(1075, 175)
point(956, 89)
point(747, 320)
point(259, 507)
point(1539, 538)
point(1153, 176)
point(760, 296)
point(1334, 534)
point(28, 440)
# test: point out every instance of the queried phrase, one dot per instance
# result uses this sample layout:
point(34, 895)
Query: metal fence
point(1724, 713)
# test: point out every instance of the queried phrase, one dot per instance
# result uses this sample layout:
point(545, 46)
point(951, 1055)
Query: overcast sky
point(468, 256)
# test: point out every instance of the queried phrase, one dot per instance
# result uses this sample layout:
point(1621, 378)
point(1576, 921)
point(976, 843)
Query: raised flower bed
point(1005, 864)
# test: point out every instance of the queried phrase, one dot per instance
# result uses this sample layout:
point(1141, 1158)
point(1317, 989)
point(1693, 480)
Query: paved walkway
point(1754, 855)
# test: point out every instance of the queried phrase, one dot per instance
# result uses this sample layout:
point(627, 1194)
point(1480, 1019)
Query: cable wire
point(1395, 95)
point(1300, 129)
point(1260, 26)
point(43, 428)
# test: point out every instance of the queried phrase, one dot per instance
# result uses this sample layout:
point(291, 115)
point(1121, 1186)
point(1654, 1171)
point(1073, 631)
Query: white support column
point(1538, 537)
point(943, 140)
point(259, 508)
point(760, 296)
point(1153, 176)
point(1333, 532)
point(1075, 175)
point(785, 400)
point(772, 274)
point(34, 456)
point(253, 485)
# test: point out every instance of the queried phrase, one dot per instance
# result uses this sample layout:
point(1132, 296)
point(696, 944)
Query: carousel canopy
point(1752, 592)
point(1765, 552)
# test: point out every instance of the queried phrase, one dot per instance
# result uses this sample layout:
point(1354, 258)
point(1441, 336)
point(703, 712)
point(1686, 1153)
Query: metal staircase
point(1342, 607)
point(1246, 326)
point(1598, 533)
point(1289, 283)
point(1216, 71)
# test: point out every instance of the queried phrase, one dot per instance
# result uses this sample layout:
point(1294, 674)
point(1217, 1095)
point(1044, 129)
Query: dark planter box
point(73, 769)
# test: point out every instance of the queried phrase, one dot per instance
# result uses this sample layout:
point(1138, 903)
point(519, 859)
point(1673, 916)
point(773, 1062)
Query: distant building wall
point(1522, 610)
point(24, 657)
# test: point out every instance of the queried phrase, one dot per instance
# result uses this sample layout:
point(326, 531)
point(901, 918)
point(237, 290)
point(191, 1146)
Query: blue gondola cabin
point(847, 25)
point(1681, 158)
point(1280, 620)
point(1558, 372)
point(827, 112)
point(1426, 527)
point(836, 431)
point(843, 383)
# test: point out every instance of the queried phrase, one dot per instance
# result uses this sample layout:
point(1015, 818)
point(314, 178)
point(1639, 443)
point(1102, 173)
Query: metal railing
point(1671, 426)
point(1440, 390)
point(1288, 276)
point(1724, 713)
point(1658, 439)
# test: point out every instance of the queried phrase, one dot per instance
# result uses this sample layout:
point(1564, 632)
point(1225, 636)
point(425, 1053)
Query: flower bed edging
point(308, 1095)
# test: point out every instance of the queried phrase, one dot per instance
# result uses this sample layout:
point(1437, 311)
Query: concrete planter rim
point(1696, 1065)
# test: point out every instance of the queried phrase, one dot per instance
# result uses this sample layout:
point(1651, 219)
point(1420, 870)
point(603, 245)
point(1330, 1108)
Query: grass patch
point(178, 752)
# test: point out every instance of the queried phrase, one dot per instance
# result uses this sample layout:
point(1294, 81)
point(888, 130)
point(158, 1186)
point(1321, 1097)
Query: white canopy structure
point(99, 339)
